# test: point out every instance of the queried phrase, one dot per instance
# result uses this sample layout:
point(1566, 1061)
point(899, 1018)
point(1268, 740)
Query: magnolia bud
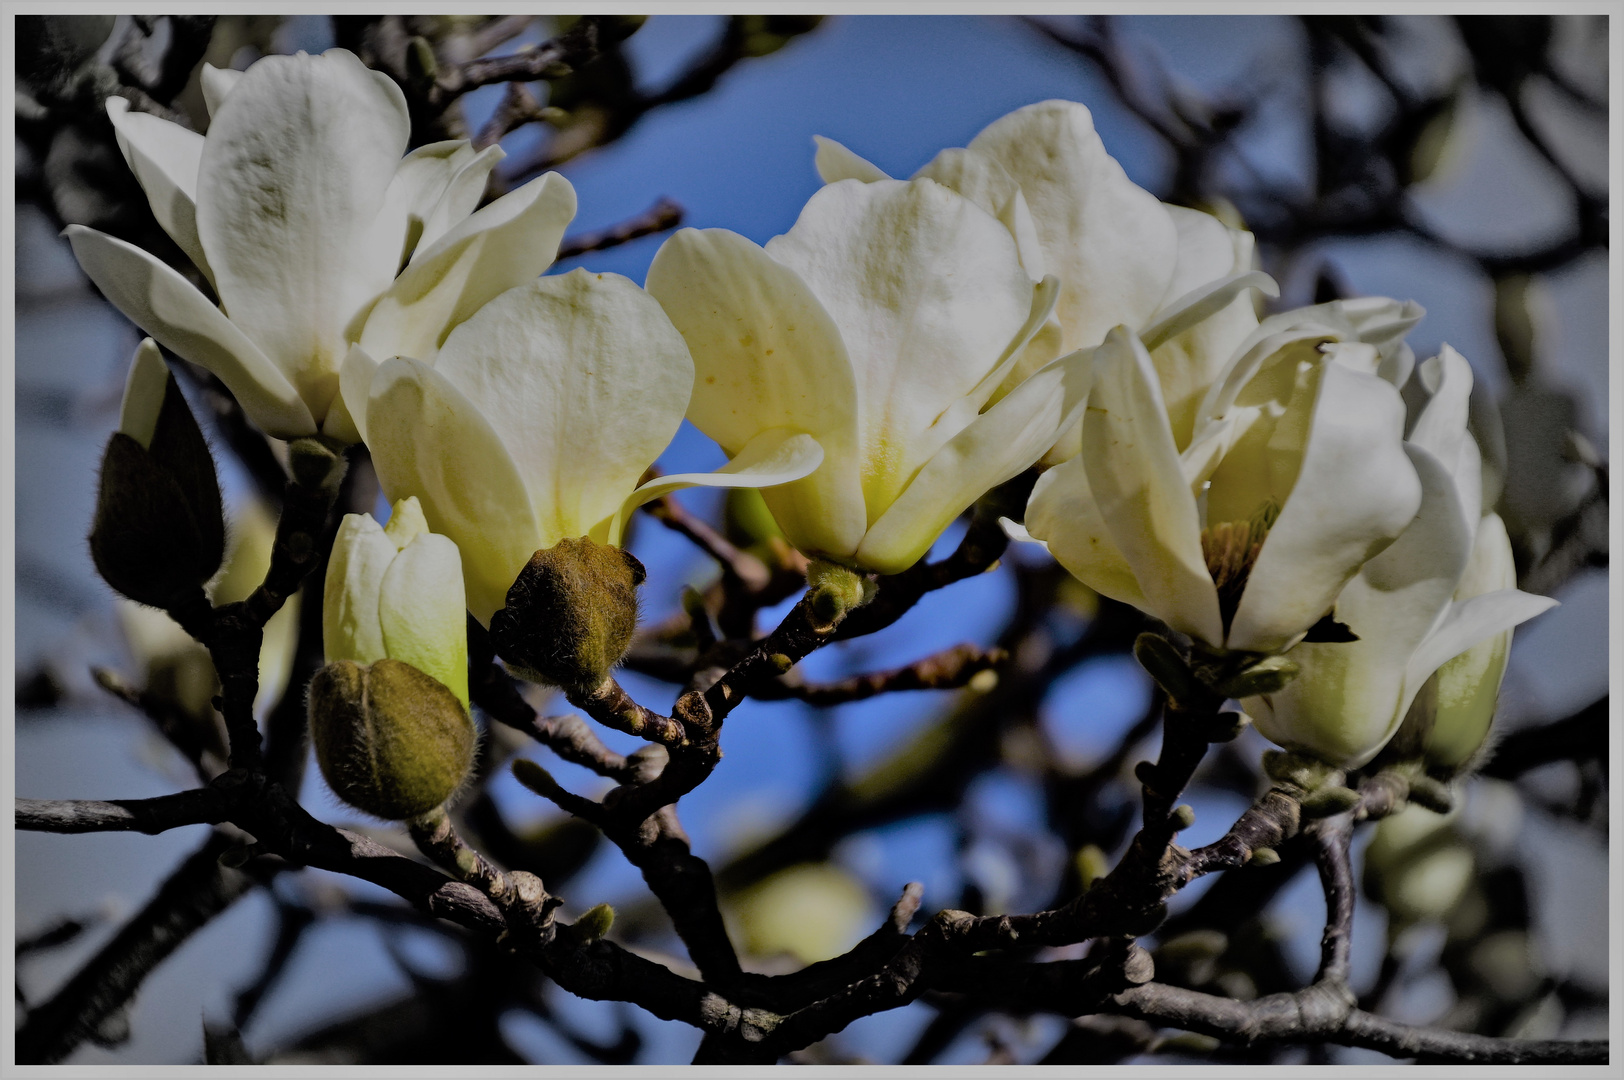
point(397, 592)
point(570, 614)
point(390, 740)
point(1449, 720)
point(159, 531)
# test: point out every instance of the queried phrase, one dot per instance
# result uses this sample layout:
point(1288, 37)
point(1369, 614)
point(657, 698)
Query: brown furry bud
point(390, 740)
point(570, 614)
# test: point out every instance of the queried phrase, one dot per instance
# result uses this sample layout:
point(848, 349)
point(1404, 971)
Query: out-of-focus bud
point(390, 740)
point(177, 667)
point(811, 912)
point(159, 531)
point(766, 34)
point(570, 614)
point(1417, 867)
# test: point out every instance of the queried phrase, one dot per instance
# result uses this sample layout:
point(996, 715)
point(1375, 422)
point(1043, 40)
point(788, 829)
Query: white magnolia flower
point(536, 420)
point(883, 324)
point(315, 234)
point(1293, 476)
point(1405, 605)
point(1178, 276)
point(396, 592)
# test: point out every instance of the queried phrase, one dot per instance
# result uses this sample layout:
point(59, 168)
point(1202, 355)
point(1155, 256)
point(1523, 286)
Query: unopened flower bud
point(1449, 720)
point(397, 592)
point(159, 531)
point(835, 590)
point(390, 740)
point(570, 614)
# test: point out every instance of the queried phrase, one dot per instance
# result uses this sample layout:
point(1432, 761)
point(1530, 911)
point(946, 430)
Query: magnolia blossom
point(883, 324)
point(396, 592)
point(1405, 605)
point(1122, 257)
point(301, 214)
point(1293, 476)
point(536, 420)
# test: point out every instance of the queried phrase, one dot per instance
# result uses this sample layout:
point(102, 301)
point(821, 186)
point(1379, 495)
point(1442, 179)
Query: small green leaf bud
point(1432, 794)
point(421, 66)
point(1264, 856)
point(1168, 667)
point(570, 614)
point(159, 530)
point(1182, 817)
point(1328, 801)
point(1297, 770)
point(834, 590)
point(593, 924)
point(390, 740)
point(1268, 676)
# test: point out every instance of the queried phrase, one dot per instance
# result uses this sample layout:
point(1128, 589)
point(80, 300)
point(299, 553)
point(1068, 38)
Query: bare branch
point(946, 670)
point(663, 216)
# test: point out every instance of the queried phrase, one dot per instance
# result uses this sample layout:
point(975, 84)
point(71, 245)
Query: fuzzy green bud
point(1329, 800)
point(833, 590)
point(593, 924)
point(390, 740)
point(570, 614)
point(159, 530)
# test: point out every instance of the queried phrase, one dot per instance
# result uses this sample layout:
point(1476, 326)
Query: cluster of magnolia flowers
point(907, 346)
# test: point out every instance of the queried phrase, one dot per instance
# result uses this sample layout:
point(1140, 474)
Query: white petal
point(927, 289)
point(990, 186)
point(1469, 622)
point(293, 175)
point(960, 413)
point(1062, 513)
point(1017, 532)
point(1441, 428)
point(1110, 242)
point(1202, 303)
point(774, 457)
point(835, 162)
point(346, 419)
point(422, 613)
point(767, 355)
point(350, 629)
point(164, 157)
point(165, 305)
point(428, 440)
point(584, 379)
point(407, 523)
point(1000, 443)
point(144, 390)
point(503, 246)
point(1138, 484)
point(1355, 491)
point(461, 195)
point(217, 83)
point(1349, 697)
